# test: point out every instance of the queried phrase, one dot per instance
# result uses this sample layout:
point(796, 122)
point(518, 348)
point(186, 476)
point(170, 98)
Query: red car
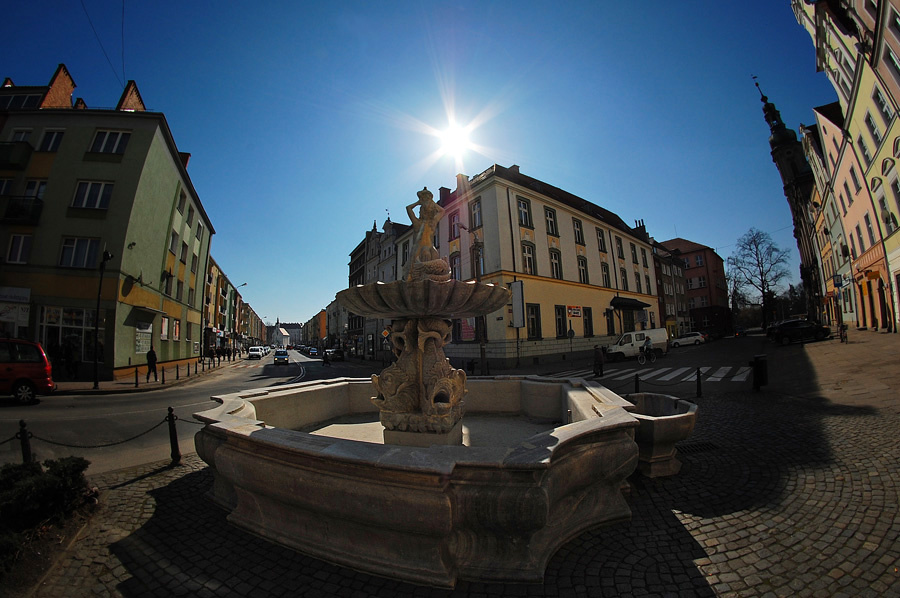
point(25, 371)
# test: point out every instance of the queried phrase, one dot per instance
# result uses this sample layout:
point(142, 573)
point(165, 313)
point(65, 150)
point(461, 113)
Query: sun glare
point(455, 141)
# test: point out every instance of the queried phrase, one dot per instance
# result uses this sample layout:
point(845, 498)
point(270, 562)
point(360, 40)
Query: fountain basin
point(428, 515)
point(664, 420)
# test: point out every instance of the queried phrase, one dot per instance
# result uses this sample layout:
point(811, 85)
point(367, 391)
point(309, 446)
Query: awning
point(148, 309)
point(627, 303)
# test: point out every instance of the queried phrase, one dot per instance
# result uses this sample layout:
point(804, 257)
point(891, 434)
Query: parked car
point(255, 353)
point(25, 371)
point(629, 344)
point(689, 338)
point(281, 356)
point(335, 354)
point(313, 352)
point(792, 331)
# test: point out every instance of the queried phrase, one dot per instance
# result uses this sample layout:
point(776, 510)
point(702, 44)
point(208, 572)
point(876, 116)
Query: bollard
point(173, 437)
point(699, 385)
point(637, 383)
point(202, 365)
point(24, 437)
point(163, 375)
point(760, 371)
point(135, 377)
point(177, 373)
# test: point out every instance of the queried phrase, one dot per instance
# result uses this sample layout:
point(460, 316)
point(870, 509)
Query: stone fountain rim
point(392, 294)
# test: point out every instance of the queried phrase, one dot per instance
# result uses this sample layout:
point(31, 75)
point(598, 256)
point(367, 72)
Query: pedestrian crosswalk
point(667, 375)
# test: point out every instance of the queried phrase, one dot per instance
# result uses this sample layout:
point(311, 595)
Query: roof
point(685, 246)
point(513, 175)
point(832, 112)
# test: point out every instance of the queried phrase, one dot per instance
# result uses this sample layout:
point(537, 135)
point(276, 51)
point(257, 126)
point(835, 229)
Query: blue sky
point(308, 121)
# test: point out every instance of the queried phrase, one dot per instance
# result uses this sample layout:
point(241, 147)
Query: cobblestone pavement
point(792, 491)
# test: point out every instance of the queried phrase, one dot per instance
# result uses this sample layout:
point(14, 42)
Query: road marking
point(675, 373)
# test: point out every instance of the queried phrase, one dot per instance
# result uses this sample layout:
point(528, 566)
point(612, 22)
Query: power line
point(84, 8)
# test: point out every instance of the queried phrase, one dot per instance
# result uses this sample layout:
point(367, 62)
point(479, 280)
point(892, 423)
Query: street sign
point(838, 280)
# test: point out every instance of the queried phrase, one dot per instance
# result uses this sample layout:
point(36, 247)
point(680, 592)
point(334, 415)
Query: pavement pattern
point(789, 491)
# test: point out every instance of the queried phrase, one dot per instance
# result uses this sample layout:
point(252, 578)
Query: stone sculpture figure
point(420, 396)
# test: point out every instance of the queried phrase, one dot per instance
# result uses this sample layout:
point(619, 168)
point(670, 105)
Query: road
point(88, 421)
point(78, 421)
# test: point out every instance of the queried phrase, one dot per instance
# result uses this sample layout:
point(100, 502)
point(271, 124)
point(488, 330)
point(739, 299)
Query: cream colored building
point(584, 275)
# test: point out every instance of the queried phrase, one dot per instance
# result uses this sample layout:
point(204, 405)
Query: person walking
point(599, 358)
point(151, 364)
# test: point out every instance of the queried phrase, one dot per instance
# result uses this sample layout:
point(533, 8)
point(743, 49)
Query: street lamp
point(106, 257)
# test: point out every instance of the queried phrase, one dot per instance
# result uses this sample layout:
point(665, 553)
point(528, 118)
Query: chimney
point(444, 195)
point(185, 158)
point(462, 181)
point(514, 168)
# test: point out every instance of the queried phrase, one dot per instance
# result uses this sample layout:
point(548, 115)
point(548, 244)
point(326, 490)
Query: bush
point(31, 496)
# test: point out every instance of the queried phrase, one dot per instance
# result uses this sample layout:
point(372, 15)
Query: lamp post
point(106, 257)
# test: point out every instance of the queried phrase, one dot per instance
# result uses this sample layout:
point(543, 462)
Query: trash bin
point(760, 367)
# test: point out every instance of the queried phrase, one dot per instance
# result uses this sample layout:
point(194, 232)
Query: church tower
point(799, 185)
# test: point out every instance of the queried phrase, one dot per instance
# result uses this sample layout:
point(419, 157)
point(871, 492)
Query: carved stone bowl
point(447, 299)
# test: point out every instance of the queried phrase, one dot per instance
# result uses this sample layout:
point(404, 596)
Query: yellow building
point(580, 275)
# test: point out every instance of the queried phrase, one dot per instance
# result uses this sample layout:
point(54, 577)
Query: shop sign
point(873, 275)
point(15, 294)
point(838, 280)
point(15, 313)
point(574, 311)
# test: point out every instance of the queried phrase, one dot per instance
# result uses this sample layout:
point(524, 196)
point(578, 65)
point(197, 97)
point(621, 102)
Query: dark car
point(793, 331)
point(25, 370)
point(281, 356)
point(335, 354)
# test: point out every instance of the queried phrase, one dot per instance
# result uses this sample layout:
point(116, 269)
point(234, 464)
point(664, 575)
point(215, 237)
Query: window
point(173, 242)
point(583, 270)
point(528, 265)
point(5, 186)
point(873, 128)
point(701, 282)
point(856, 184)
point(698, 260)
point(92, 194)
point(110, 142)
point(19, 249)
point(533, 320)
point(455, 273)
point(869, 229)
point(604, 272)
point(184, 252)
point(588, 316)
point(644, 257)
point(559, 316)
point(843, 205)
point(884, 107)
point(550, 217)
point(436, 241)
point(21, 135)
point(704, 301)
point(51, 141)
point(194, 260)
point(555, 264)
point(852, 247)
point(478, 260)
point(190, 217)
point(179, 290)
point(19, 100)
point(859, 237)
point(601, 240)
point(164, 328)
point(633, 253)
point(864, 149)
point(624, 276)
point(35, 188)
point(199, 232)
point(620, 251)
point(524, 207)
point(579, 231)
point(649, 286)
point(475, 214)
point(690, 283)
point(79, 252)
point(890, 221)
point(637, 283)
point(454, 225)
point(187, 327)
point(182, 200)
point(190, 302)
point(404, 255)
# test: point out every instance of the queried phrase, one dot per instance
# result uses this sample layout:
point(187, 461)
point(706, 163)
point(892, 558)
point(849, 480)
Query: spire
point(780, 133)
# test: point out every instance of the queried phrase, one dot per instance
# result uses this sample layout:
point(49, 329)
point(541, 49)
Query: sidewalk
point(86, 387)
point(793, 490)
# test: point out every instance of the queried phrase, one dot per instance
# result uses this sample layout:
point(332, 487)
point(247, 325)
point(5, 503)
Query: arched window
point(478, 260)
point(624, 279)
point(604, 272)
point(528, 264)
point(556, 264)
point(583, 270)
point(455, 273)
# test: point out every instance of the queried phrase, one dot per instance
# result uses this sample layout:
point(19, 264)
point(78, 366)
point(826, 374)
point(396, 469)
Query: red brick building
point(706, 289)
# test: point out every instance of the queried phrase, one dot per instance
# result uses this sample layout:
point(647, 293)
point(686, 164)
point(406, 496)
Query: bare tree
point(757, 262)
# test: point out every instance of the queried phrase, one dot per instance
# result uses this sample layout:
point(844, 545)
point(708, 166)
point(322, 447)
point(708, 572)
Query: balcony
point(22, 210)
point(14, 155)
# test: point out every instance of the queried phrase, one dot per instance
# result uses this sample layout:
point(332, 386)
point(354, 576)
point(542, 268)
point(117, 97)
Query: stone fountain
point(420, 397)
point(422, 505)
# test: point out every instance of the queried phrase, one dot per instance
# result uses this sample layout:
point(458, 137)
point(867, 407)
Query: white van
point(629, 344)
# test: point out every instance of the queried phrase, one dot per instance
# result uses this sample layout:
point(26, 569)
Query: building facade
point(705, 287)
point(102, 229)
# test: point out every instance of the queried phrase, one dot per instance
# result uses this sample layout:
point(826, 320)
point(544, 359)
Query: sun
point(455, 141)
